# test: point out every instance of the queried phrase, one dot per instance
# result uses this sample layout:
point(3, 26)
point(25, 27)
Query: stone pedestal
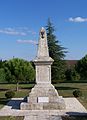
point(43, 96)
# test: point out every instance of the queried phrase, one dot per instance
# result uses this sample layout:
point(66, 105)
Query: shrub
point(77, 93)
point(9, 94)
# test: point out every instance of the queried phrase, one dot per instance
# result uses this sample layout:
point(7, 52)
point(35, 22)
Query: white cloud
point(11, 31)
point(77, 19)
point(27, 41)
point(21, 31)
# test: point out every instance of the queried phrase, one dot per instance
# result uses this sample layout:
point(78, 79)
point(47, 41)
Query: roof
point(71, 63)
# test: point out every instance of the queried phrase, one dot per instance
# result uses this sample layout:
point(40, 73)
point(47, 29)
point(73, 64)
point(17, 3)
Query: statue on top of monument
point(42, 32)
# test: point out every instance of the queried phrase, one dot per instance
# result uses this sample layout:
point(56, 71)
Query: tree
point(72, 75)
point(81, 67)
point(57, 52)
point(2, 75)
point(1, 64)
point(19, 70)
point(2, 72)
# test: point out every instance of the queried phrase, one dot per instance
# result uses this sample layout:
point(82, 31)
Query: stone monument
point(43, 96)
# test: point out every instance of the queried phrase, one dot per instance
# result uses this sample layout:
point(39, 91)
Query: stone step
point(42, 117)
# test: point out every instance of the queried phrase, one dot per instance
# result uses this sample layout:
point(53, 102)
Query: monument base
point(43, 97)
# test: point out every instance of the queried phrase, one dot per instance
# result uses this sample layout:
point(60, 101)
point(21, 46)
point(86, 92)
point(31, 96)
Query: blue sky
point(21, 20)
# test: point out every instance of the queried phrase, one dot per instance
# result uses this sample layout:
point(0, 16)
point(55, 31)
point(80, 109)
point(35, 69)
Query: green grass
point(64, 89)
point(11, 118)
point(4, 87)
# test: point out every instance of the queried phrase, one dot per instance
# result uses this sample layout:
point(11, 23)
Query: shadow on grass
point(29, 88)
point(58, 88)
point(65, 88)
point(3, 89)
point(3, 101)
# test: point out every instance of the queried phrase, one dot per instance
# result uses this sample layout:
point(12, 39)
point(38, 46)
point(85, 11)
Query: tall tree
point(57, 52)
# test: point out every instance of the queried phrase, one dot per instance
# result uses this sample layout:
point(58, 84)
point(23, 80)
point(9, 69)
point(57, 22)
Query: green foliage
point(2, 71)
point(2, 75)
point(77, 93)
point(19, 70)
point(32, 63)
point(81, 68)
point(2, 63)
point(72, 75)
point(58, 71)
point(9, 94)
point(56, 51)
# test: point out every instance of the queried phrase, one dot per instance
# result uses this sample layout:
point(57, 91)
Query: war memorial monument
point(43, 96)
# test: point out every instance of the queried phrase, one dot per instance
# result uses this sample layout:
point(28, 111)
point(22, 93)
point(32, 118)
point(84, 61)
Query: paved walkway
point(73, 107)
point(42, 117)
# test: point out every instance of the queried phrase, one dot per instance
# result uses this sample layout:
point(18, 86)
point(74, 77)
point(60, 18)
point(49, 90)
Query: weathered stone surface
point(42, 117)
point(44, 90)
point(42, 46)
point(43, 87)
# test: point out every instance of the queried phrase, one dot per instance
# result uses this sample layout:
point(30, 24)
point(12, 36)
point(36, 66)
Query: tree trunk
point(17, 88)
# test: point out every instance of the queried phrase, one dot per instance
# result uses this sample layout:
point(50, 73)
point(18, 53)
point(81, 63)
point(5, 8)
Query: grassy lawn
point(64, 89)
point(11, 118)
